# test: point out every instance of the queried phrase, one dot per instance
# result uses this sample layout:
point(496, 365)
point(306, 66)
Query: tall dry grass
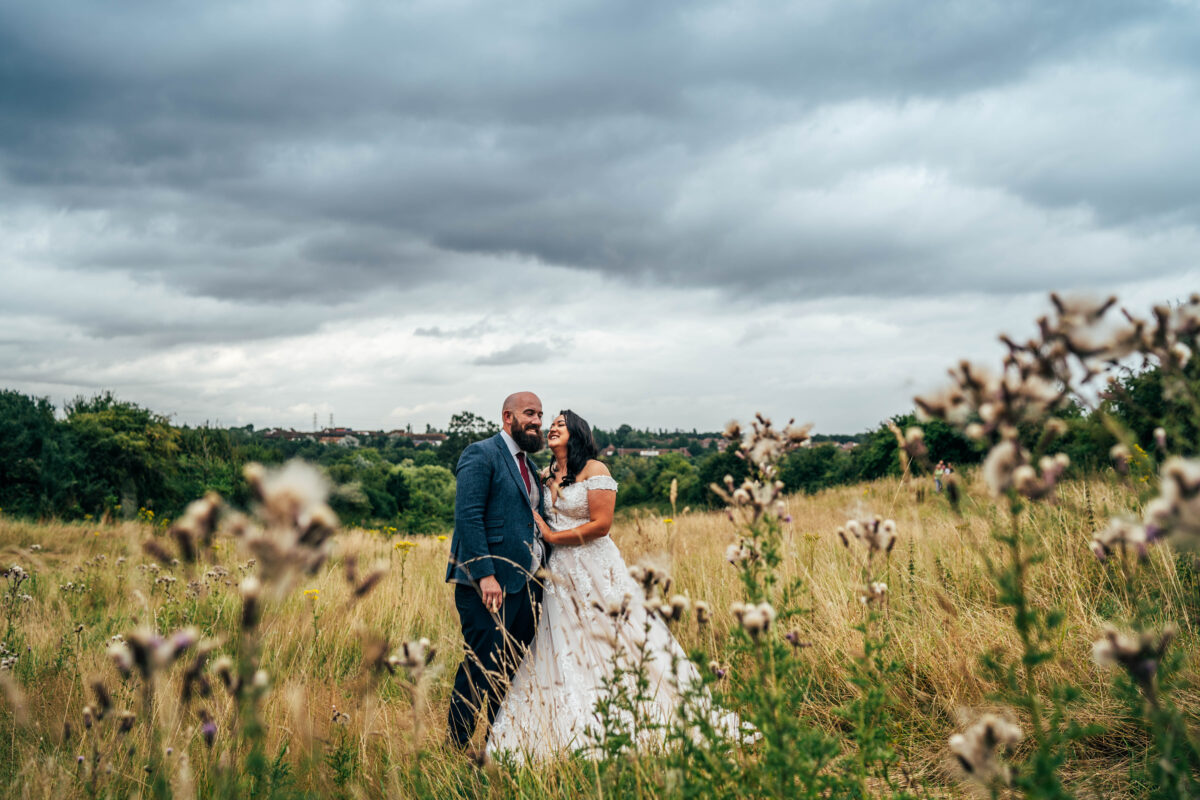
point(335, 731)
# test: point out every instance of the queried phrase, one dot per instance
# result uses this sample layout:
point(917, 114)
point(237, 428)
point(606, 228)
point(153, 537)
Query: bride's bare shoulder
point(592, 469)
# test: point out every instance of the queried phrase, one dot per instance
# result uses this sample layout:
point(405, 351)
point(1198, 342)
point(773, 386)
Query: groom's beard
point(528, 439)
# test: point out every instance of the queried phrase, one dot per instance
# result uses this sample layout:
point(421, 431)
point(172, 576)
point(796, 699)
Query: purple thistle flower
point(209, 731)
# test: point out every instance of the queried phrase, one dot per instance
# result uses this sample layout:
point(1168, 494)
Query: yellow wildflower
point(669, 521)
point(312, 594)
point(404, 545)
point(441, 537)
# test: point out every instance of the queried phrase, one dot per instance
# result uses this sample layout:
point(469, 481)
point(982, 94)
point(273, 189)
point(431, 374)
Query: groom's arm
point(474, 473)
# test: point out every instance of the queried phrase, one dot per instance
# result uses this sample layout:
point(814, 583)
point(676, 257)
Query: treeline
point(104, 457)
point(111, 458)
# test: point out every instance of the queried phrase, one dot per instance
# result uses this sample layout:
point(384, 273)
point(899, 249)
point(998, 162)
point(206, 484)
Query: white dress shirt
point(535, 494)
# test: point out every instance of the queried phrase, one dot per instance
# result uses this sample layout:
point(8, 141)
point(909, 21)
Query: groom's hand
point(489, 587)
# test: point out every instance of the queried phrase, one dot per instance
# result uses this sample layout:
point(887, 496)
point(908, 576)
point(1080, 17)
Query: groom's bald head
point(518, 401)
point(522, 418)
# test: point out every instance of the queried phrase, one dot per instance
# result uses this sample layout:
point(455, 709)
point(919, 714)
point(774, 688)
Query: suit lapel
point(512, 465)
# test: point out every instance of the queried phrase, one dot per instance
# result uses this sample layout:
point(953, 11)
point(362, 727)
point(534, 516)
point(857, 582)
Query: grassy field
point(332, 730)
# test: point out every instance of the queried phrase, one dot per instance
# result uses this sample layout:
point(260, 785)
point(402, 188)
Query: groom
point(493, 554)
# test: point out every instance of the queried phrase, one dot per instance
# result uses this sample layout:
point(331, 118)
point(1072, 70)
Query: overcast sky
point(662, 213)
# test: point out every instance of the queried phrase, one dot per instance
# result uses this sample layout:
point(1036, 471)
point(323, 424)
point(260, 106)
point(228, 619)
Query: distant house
point(289, 434)
point(642, 452)
point(431, 439)
point(339, 436)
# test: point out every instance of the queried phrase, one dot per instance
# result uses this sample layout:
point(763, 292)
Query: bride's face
point(558, 436)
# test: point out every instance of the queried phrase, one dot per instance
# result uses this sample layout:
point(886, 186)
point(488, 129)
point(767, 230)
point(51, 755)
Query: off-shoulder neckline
point(585, 481)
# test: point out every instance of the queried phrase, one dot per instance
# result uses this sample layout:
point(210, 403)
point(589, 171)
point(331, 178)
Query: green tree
point(465, 428)
point(714, 467)
point(430, 498)
point(36, 473)
point(128, 452)
point(674, 466)
point(809, 469)
point(1152, 398)
point(397, 488)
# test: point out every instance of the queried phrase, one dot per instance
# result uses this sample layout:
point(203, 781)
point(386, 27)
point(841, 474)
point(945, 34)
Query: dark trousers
point(492, 654)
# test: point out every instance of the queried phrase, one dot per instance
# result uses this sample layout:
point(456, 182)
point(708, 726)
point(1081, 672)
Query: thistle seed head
point(741, 551)
point(251, 608)
point(651, 577)
point(224, 668)
point(414, 657)
point(103, 699)
point(121, 656)
point(979, 749)
point(754, 619)
point(1138, 654)
point(1120, 534)
point(914, 442)
point(876, 534)
point(1001, 462)
point(873, 593)
point(793, 638)
point(144, 645)
point(676, 607)
point(1119, 454)
point(1176, 510)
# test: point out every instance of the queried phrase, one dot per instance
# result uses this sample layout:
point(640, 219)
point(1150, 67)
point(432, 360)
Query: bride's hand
point(542, 527)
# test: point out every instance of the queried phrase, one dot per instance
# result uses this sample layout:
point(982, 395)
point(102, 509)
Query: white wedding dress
point(550, 708)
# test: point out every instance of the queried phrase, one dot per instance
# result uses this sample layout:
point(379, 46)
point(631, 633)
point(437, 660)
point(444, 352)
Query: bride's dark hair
point(581, 446)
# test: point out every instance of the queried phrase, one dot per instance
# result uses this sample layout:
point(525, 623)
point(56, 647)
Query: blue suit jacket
point(493, 523)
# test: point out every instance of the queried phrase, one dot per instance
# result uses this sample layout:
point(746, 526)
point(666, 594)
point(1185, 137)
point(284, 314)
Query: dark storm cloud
point(296, 153)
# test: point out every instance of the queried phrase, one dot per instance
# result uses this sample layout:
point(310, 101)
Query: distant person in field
point(494, 553)
point(592, 617)
point(938, 471)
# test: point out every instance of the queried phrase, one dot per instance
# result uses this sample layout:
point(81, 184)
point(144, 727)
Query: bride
point(591, 619)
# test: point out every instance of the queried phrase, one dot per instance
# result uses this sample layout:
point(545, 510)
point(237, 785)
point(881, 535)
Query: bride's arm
point(601, 503)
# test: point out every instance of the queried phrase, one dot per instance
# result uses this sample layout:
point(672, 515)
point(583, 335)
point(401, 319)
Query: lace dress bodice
point(570, 508)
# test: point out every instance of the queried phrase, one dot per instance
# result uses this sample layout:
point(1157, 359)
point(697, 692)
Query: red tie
point(525, 474)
